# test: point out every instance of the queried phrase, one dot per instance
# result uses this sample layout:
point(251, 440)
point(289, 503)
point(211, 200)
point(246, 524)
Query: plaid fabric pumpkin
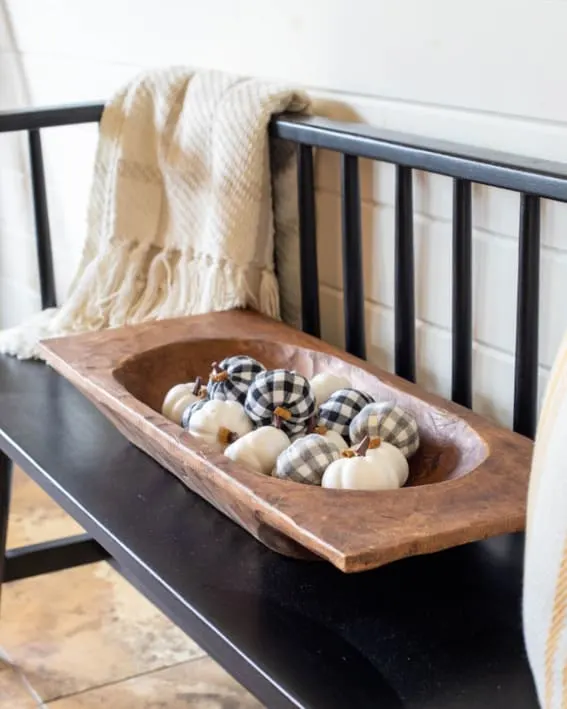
point(231, 379)
point(340, 408)
point(190, 410)
point(282, 393)
point(389, 422)
point(306, 460)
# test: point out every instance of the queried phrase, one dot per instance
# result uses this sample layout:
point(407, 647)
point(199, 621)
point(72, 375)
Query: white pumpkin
point(362, 469)
point(179, 397)
point(391, 457)
point(219, 423)
point(259, 449)
point(331, 436)
point(325, 384)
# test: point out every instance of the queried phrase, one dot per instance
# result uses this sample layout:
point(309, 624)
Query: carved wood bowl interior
point(449, 447)
point(468, 481)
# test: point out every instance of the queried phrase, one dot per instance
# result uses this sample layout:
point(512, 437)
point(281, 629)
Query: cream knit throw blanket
point(184, 208)
point(545, 576)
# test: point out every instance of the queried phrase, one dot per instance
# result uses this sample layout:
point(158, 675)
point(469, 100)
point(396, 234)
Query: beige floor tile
point(34, 517)
point(13, 692)
point(200, 684)
point(83, 628)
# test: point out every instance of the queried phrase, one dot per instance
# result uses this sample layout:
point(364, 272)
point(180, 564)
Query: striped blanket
point(545, 575)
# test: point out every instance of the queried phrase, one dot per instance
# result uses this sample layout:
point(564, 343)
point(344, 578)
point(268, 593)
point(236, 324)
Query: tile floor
point(85, 639)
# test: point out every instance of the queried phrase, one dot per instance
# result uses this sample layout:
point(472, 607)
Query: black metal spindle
point(353, 284)
point(462, 293)
point(42, 232)
point(404, 287)
point(5, 488)
point(308, 242)
point(527, 318)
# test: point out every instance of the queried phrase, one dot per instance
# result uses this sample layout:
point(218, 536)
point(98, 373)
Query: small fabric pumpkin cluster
point(246, 411)
point(277, 422)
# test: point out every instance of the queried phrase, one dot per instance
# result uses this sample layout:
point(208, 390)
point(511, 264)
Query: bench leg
point(5, 488)
point(43, 558)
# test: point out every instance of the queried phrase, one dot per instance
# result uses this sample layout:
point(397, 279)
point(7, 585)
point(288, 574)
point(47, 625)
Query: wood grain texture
point(467, 482)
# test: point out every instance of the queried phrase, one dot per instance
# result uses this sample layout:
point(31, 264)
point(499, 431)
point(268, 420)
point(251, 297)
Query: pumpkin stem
point(363, 446)
point(197, 387)
point(321, 429)
point(312, 425)
point(360, 451)
point(375, 442)
point(226, 436)
point(282, 412)
point(218, 375)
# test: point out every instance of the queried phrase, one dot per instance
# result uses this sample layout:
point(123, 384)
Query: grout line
point(86, 58)
point(481, 345)
point(41, 704)
point(323, 92)
point(116, 682)
point(479, 230)
point(28, 685)
point(18, 671)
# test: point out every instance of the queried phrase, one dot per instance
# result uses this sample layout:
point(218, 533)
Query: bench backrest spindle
point(527, 317)
point(353, 277)
point(310, 310)
point(41, 214)
point(404, 310)
point(461, 391)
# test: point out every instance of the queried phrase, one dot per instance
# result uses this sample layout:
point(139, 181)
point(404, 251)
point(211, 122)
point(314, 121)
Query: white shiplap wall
point(486, 73)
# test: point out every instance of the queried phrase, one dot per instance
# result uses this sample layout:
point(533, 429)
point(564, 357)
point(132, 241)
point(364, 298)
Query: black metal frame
point(532, 178)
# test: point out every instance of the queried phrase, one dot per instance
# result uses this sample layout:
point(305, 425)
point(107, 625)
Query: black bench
point(441, 631)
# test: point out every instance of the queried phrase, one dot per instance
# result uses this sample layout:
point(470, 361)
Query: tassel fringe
point(134, 284)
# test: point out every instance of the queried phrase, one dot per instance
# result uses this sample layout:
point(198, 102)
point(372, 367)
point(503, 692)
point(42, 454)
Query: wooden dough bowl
point(467, 482)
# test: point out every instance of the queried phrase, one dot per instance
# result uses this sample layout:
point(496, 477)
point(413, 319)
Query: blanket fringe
point(131, 288)
point(134, 284)
point(88, 305)
point(269, 294)
point(22, 341)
